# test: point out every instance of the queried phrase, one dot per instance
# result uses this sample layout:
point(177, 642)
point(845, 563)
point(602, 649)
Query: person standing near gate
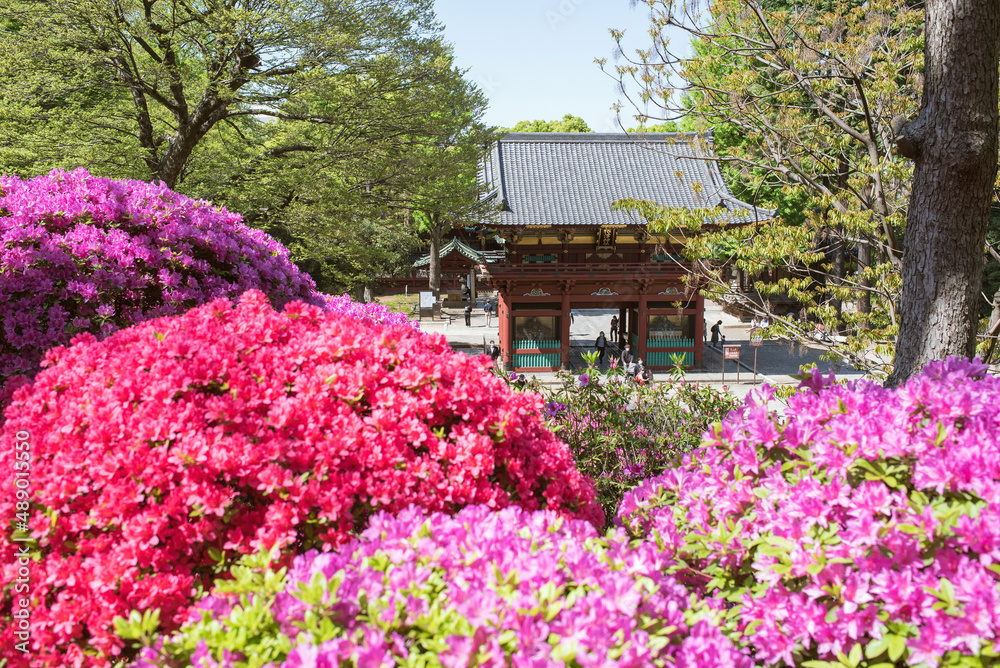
point(601, 343)
point(628, 360)
point(614, 328)
point(493, 350)
point(716, 333)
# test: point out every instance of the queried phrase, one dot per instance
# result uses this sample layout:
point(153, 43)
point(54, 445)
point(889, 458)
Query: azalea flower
point(190, 440)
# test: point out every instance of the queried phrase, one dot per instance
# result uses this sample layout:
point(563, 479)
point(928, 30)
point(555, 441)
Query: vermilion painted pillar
point(564, 340)
point(641, 327)
point(506, 324)
point(699, 330)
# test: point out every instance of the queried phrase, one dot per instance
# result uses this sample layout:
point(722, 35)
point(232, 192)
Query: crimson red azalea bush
point(79, 253)
point(864, 525)
point(162, 453)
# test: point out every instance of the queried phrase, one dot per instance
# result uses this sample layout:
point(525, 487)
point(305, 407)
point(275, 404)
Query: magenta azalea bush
point(482, 588)
point(865, 525)
point(164, 452)
point(79, 253)
point(370, 311)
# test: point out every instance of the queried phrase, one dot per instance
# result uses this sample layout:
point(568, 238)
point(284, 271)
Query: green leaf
point(854, 658)
point(876, 647)
point(897, 647)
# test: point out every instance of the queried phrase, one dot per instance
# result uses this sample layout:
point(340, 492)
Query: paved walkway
point(776, 360)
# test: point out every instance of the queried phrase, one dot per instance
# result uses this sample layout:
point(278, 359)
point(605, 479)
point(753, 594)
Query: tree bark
point(865, 296)
point(434, 269)
point(953, 142)
point(836, 279)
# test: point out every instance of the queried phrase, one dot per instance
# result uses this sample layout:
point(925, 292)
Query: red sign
point(731, 352)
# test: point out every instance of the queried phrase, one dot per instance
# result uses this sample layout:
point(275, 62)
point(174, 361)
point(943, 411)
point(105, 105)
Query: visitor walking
point(468, 315)
point(601, 343)
point(493, 350)
point(488, 308)
point(628, 360)
point(716, 334)
point(614, 328)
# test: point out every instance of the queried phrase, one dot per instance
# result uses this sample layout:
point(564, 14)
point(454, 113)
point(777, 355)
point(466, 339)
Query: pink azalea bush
point(482, 588)
point(370, 311)
point(79, 253)
point(863, 525)
point(164, 452)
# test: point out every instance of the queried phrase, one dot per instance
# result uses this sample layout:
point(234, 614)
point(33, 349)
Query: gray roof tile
point(572, 178)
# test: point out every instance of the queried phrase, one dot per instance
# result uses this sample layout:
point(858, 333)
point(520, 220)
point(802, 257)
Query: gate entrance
point(567, 249)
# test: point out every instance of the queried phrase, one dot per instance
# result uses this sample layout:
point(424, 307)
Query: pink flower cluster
point(371, 311)
point(163, 452)
point(484, 588)
point(79, 253)
point(866, 523)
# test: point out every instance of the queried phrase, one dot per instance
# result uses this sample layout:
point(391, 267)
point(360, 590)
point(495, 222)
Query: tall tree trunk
point(434, 269)
point(864, 296)
point(837, 274)
point(953, 142)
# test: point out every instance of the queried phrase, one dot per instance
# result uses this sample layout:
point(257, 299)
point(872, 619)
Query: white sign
point(426, 300)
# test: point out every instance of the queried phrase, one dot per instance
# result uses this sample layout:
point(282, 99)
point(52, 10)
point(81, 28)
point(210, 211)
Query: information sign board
point(731, 352)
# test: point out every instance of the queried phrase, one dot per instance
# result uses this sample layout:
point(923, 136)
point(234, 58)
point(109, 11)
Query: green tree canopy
point(311, 118)
point(664, 126)
point(569, 123)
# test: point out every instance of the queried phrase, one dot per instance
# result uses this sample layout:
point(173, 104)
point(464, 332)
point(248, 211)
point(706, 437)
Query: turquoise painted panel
point(670, 343)
point(531, 344)
point(537, 360)
point(662, 358)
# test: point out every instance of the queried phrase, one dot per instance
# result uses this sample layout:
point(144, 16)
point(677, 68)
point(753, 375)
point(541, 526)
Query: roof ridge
point(582, 137)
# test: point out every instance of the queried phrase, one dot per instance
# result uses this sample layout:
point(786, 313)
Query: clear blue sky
point(534, 59)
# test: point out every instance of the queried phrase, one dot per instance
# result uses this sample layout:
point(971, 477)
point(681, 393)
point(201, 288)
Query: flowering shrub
point(371, 311)
point(866, 524)
point(79, 253)
point(481, 588)
point(621, 433)
point(162, 453)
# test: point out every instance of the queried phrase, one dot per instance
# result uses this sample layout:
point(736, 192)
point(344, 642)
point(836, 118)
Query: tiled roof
point(572, 178)
point(456, 245)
